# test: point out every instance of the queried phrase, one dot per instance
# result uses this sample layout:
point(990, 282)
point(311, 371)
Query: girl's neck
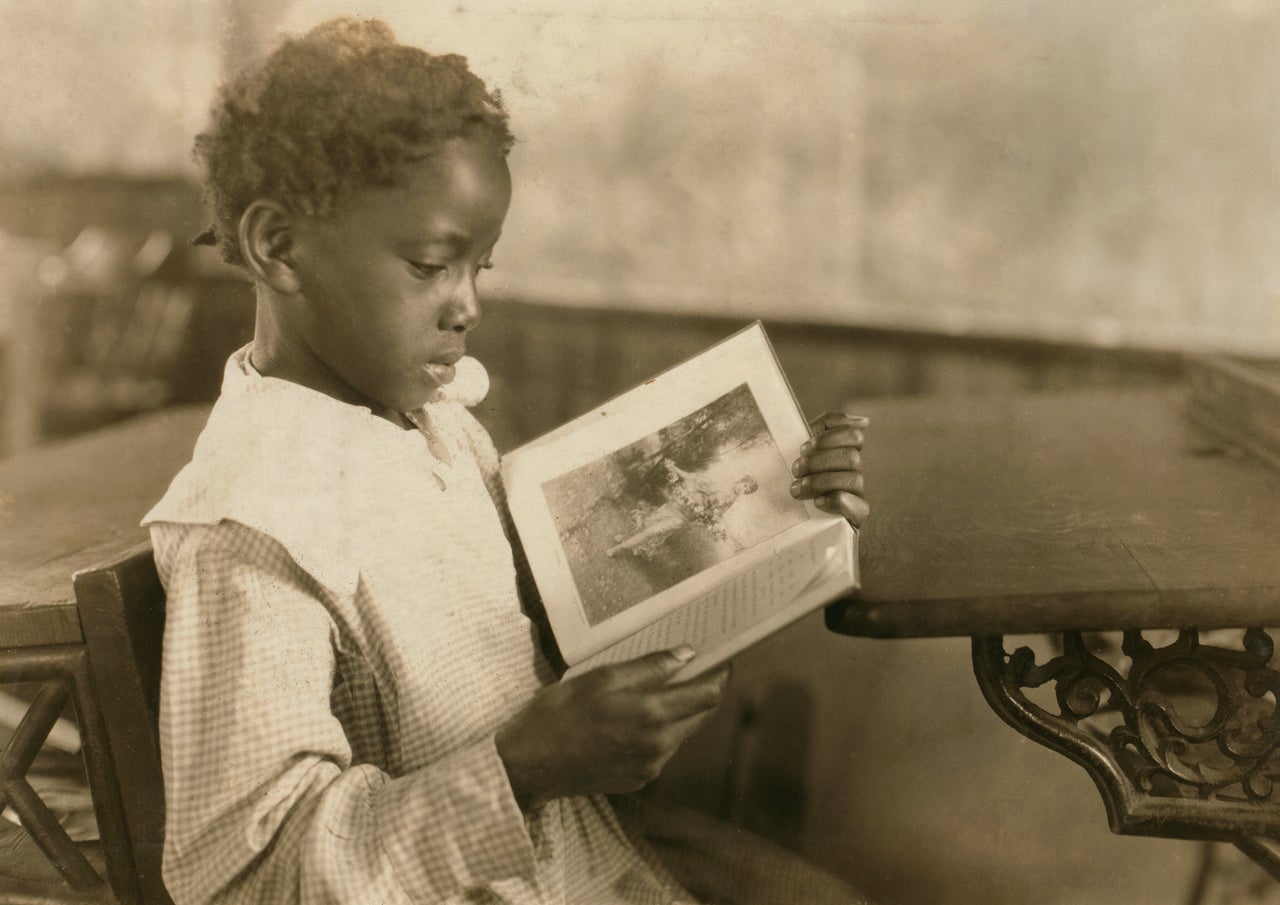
point(278, 353)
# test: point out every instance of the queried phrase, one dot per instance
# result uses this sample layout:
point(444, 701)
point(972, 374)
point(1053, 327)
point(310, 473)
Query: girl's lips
point(440, 372)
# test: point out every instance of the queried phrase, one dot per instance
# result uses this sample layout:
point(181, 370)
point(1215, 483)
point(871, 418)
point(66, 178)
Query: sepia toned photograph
point(670, 505)
point(286, 284)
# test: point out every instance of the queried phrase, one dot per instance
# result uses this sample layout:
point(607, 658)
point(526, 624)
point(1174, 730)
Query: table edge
point(1028, 614)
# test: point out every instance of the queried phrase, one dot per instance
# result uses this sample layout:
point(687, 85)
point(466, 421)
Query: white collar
point(292, 463)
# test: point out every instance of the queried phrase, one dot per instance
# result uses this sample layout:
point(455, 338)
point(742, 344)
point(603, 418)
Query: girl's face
point(389, 283)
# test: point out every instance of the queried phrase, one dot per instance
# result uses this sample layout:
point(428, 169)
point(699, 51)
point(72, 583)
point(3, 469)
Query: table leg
point(1184, 743)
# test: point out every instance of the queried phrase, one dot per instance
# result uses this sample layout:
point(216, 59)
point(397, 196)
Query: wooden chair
point(121, 605)
point(122, 612)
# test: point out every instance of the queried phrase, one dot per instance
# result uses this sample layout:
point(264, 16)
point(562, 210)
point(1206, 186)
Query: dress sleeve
point(263, 801)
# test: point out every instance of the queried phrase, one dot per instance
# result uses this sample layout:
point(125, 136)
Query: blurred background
point(966, 195)
point(950, 197)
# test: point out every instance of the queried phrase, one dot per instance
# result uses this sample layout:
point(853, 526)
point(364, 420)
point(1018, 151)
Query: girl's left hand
point(829, 470)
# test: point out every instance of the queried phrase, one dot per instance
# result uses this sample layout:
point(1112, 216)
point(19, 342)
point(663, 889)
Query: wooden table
point(67, 506)
point(63, 508)
point(1081, 512)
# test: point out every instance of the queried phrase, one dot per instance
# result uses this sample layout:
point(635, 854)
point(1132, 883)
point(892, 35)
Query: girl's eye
point(484, 265)
point(426, 271)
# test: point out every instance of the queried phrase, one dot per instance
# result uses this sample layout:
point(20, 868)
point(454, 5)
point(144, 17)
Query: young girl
point(354, 704)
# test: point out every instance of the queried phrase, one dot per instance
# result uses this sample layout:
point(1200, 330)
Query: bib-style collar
point(296, 465)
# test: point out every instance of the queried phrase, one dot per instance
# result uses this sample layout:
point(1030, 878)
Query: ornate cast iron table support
point(1185, 743)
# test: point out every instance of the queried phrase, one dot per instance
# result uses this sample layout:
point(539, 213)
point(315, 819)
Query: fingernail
point(684, 653)
point(805, 447)
point(795, 488)
point(795, 467)
point(820, 501)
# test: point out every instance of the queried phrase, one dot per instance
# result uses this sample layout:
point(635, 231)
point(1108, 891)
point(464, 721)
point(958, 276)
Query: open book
point(664, 517)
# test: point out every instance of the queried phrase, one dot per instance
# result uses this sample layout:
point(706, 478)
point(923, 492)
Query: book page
point(661, 494)
point(748, 606)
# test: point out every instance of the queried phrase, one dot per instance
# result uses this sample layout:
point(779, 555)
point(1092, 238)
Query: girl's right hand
point(612, 729)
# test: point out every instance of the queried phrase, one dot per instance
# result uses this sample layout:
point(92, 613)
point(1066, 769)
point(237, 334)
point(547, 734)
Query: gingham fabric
point(344, 636)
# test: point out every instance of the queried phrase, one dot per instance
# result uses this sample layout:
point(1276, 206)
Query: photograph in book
point(646, 517)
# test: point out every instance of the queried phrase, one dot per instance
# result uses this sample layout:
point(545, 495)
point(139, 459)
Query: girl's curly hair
point(341, 108)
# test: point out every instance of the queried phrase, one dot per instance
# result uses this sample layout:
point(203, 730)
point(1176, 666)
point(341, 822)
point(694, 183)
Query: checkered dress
point(344, 637)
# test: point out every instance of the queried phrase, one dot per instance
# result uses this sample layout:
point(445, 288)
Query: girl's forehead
point(460, 166)
point(461, 190)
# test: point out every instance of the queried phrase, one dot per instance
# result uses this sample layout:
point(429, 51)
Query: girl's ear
point(267, 245)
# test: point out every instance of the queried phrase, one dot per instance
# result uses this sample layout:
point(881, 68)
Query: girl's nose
point(462, 313)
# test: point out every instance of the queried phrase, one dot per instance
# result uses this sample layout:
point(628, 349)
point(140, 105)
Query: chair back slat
point(121, 605)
